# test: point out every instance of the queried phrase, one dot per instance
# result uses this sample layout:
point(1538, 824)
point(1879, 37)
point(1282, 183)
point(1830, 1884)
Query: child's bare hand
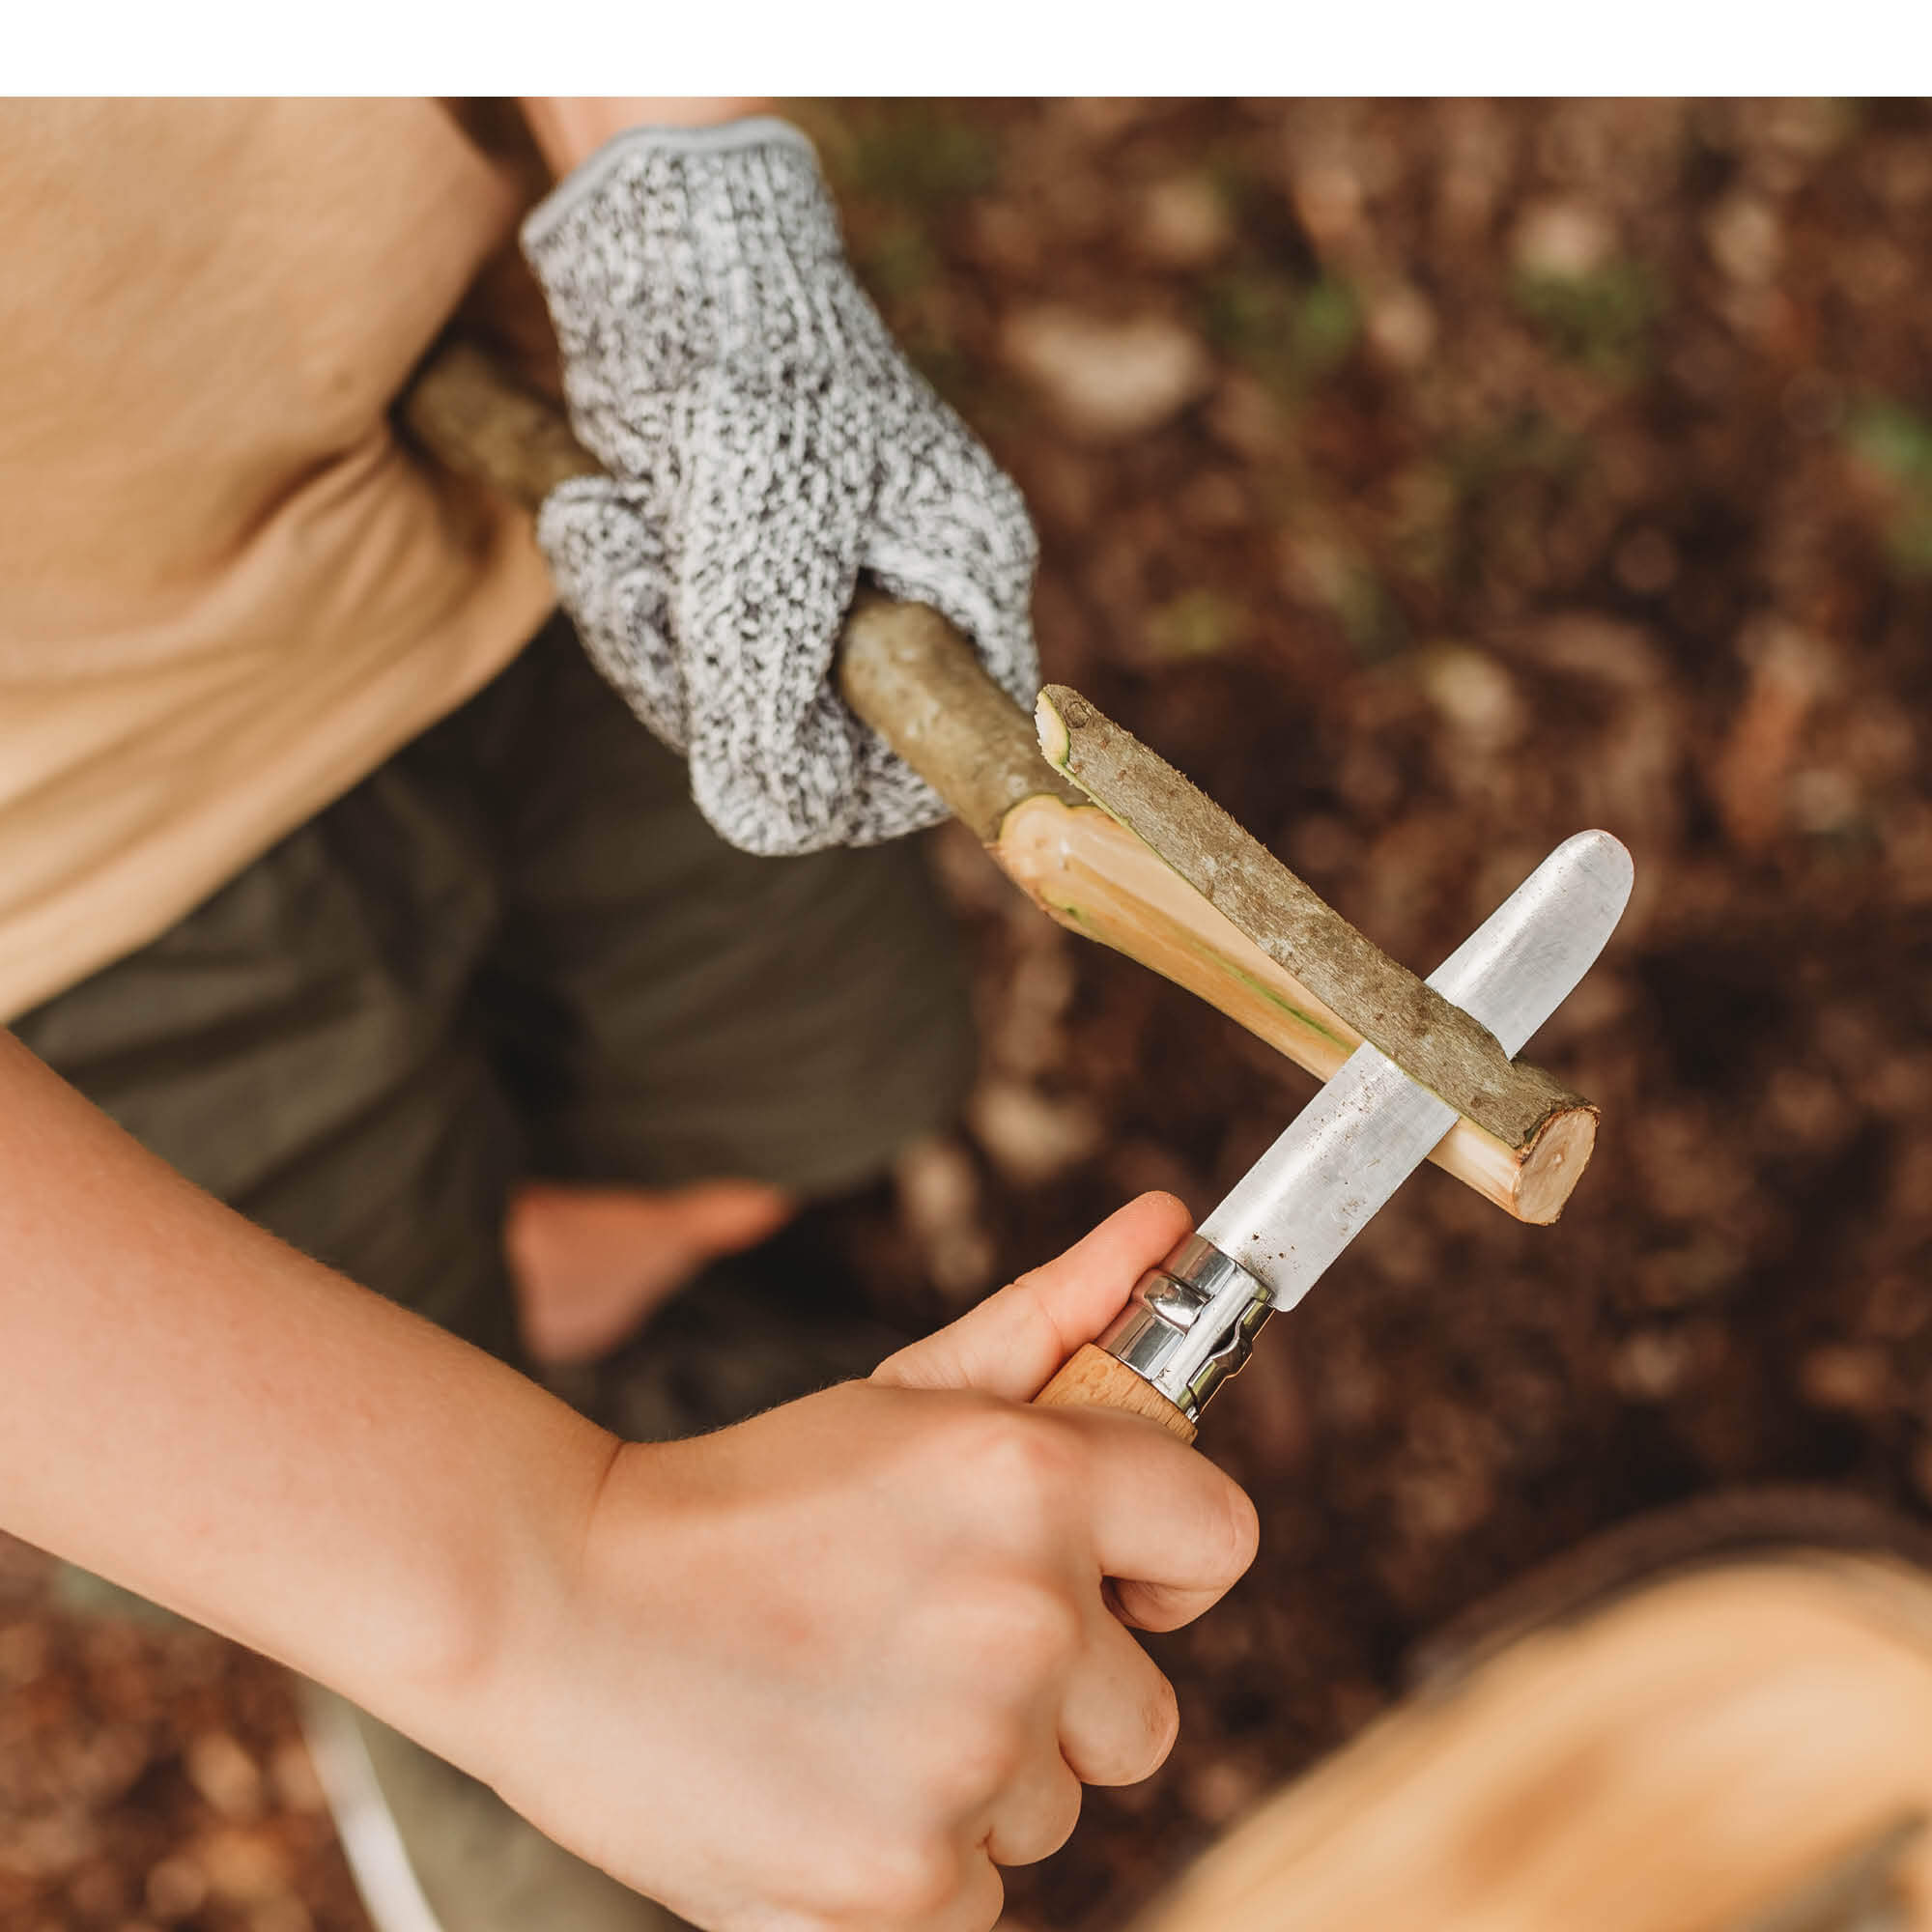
point(832, 1667)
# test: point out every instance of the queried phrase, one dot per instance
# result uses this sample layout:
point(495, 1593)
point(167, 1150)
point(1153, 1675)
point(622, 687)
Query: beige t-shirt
point(226, 591)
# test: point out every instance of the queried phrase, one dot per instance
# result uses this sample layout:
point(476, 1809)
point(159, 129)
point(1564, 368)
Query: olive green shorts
point(517, 950)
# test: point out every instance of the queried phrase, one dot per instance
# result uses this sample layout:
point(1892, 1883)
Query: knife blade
point(1192, 1319)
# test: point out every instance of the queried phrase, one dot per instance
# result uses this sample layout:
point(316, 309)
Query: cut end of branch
point(1056, 743)
point(1554, 1164)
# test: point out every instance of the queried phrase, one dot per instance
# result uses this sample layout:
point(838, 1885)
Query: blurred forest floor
point(1426, 480)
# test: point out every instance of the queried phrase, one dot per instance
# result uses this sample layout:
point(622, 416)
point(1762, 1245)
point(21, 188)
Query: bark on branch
point(1327, 967)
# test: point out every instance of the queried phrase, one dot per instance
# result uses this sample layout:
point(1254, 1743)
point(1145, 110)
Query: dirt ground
point(1428, 481)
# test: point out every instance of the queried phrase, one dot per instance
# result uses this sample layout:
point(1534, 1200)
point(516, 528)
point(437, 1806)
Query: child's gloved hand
point(767, 441)
point(832, 1667)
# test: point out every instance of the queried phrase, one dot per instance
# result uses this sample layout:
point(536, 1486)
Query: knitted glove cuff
point(676, 143)
point(672, 252)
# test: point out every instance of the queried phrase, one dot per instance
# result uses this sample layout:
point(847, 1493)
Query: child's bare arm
point(834, 1664)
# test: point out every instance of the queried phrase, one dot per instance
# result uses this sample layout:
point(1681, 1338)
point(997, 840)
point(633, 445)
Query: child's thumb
point(1014, 1341)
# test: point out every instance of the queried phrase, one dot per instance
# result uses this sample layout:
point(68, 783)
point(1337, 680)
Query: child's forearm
point(210, 1418)
point(829, 1667)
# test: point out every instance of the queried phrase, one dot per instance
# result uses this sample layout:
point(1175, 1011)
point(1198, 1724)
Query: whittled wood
point(1097, 878)
point(907, 673)
point(914, 680)
point(1092, 1379)
point(1434, 1042)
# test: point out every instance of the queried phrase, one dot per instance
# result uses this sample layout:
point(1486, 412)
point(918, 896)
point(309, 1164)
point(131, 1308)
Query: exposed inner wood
point(1099, 879)
point(1434, 1042)
point(1092, 1379)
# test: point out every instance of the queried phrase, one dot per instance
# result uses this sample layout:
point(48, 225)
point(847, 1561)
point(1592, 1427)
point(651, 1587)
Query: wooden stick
point(1325, 967)
point(907, 673)
point(1524, 1138)
point(918, 683)
point(476, 420)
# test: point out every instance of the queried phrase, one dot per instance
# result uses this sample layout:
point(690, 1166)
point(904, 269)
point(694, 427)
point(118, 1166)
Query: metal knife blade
point(1351, 1148)
point(1192, 1320)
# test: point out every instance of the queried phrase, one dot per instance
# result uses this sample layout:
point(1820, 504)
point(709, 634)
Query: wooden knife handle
point(1092, 1379)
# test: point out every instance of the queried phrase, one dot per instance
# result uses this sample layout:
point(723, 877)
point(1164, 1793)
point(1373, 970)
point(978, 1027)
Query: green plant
point(1199, 623)
point(1601, 319)
point(1896, 443)
point(1287, 333)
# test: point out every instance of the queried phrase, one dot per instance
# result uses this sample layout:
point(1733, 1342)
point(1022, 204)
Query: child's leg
point(676, 1014)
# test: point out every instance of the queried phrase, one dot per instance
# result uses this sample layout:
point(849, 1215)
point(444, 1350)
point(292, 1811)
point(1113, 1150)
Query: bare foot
point(590, 1263)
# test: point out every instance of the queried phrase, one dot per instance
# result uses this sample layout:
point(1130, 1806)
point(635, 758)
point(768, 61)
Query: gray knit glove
point(766, 442)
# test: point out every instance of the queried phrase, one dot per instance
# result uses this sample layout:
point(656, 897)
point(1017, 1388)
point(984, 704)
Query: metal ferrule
point(1190, 1324)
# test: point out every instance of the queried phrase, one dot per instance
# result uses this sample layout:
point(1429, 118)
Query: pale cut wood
point(1434, 1042)
point(1092, 1379)
point(1099, 880)
point(907, 674)
point(1741, 1748)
